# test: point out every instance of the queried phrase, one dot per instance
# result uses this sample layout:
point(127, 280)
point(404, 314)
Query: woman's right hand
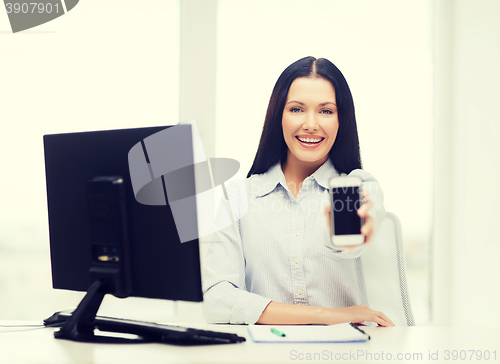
point(360, 313)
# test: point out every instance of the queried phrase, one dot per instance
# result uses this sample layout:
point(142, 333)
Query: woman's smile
point(309, 141)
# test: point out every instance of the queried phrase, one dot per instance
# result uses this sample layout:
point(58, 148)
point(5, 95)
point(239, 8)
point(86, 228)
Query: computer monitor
point(102, 240)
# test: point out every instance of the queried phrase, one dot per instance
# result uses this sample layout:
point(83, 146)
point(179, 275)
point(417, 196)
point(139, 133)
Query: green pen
point(276, 332)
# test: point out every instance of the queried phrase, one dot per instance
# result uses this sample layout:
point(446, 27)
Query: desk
point(417, 343)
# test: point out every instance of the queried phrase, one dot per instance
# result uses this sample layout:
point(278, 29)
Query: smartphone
point(345, 200)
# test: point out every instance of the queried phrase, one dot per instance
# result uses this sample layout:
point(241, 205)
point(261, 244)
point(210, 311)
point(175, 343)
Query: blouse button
point(297, 233)
point(296, 260)
point(300, 291)
point(308, 182)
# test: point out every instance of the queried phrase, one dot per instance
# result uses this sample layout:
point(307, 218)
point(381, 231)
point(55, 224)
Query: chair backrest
point(385, 273)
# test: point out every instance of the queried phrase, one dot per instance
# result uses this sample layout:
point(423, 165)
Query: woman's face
point(310, 120)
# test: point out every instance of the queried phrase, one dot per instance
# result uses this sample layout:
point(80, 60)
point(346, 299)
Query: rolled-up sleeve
point(225, 298)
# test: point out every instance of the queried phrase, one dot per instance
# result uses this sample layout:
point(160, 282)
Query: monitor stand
point(81, 325)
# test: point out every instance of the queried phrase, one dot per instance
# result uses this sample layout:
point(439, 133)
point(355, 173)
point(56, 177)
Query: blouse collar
point(267, 182)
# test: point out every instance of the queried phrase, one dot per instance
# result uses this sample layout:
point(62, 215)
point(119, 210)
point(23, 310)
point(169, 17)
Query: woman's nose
point(310, 124)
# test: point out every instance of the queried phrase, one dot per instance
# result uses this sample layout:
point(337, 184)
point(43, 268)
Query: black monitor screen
point(159, 265)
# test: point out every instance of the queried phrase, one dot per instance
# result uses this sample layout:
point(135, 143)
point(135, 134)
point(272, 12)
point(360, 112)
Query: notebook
point(341, 333)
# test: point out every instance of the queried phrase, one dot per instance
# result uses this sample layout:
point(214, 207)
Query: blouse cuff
point(248, 307)
point(224, 303)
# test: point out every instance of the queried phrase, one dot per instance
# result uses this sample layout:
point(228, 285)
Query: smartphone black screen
point(345, 203)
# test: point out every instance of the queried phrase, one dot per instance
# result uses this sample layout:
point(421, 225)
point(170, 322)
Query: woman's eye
point(326, 112)
point(295, 109)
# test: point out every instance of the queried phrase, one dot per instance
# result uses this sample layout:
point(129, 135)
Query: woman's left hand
point(368, 227)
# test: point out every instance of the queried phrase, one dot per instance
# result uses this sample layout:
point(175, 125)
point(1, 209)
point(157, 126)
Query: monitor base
point(82, 324)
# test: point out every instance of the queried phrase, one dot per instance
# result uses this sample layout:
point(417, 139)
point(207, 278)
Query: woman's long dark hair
point(344, 154)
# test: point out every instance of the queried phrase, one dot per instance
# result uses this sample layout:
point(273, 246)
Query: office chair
point(385, 273)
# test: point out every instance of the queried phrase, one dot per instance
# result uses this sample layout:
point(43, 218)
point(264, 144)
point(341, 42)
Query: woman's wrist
point(333, 316)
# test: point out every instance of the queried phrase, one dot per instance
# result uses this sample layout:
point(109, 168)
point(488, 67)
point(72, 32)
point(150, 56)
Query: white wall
point(466, 252)
point(104, 65)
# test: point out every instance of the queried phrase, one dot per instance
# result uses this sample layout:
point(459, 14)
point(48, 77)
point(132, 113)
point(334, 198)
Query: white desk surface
point(416, 343)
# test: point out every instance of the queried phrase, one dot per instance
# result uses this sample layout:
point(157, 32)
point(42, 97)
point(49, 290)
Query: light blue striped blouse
point(278, 248)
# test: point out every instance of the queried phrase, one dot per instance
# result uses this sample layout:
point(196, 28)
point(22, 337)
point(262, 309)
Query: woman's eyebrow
point(322, 104)
point(298, 102)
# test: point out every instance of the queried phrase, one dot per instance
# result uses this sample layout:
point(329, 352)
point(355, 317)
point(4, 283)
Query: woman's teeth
point(310, 140)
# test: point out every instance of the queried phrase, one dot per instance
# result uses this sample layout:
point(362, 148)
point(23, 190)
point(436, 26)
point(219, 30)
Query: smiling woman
point(278, 266)
point(385, 51)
